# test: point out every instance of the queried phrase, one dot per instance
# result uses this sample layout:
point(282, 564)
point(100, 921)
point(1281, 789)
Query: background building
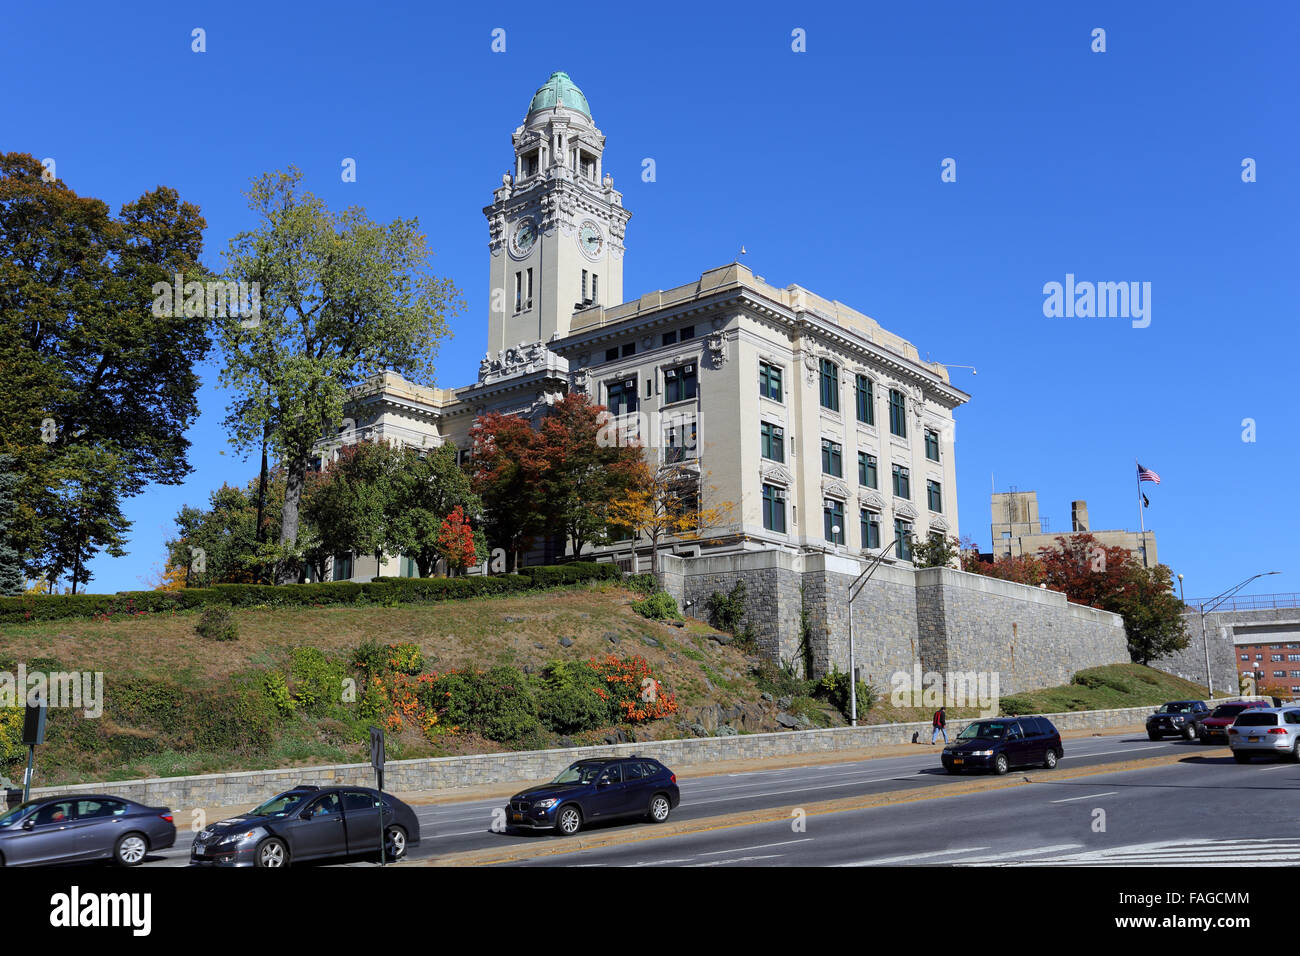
point(1017, 529)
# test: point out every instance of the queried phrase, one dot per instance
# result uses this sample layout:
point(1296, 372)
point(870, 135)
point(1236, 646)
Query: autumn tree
point(97, 389)
point(342, 298)
point(664, 500)
point(580, 475)
point(426, 489)
point(455, 542)
point(505, 467)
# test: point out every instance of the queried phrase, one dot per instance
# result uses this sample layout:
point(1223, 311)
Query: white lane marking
point(1127, 750)
point(777, 793)
point(882, 861)
point(685, 859)
point(1205, 852)
point(1017, 854)
point(761, 846)
point(740, 859)
point(1089, 796)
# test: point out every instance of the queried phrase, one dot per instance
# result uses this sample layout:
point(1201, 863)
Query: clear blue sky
point(1115, 166)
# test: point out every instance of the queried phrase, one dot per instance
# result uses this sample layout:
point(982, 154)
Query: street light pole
point(1217, 600)
point(854, 590)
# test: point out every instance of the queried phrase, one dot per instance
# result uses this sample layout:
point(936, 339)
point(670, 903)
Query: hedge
point(55, 607)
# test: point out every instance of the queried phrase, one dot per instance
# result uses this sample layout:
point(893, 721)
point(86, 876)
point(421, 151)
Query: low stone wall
point(184, 794)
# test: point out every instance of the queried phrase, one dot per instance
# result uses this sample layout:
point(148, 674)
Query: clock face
point(525, 236)
point(591, 241)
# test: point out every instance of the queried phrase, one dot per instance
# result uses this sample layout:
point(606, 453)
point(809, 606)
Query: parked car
point(1178, 718)
point(79, 829)
point(1003, 743)
point(309, 823)
point(1214, 728)
point(1273, 731)
point(602, 788)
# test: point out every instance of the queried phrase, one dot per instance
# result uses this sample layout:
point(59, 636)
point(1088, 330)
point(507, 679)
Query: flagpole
point(1142, 518)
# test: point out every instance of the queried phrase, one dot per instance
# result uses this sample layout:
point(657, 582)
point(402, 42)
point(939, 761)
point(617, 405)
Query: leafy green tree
point(342, 298)
point(1153, 614)
point(224, 535)
point(426, 490)
point(96, 390)
point(936, 551)
point(351, 504)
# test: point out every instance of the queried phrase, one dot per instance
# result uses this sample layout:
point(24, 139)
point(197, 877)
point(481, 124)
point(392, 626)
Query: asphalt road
point(467, 826)
point(1208, 811)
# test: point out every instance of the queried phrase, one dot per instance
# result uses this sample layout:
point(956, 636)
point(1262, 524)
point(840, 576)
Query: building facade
point(806, 424)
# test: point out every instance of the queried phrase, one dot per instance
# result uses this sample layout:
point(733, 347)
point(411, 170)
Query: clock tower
point(556, 223)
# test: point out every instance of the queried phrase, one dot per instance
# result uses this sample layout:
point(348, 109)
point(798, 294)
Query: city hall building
point(819, 432)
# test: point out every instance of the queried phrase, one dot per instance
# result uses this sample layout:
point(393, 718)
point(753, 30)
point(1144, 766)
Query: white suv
point(1266, 730)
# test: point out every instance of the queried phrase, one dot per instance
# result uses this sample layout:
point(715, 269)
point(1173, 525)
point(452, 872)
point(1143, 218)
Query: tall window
point(933, 496)
point(523, 290)
point(867, 470)
point(774, 508)
point(832, 458)
point(833, 520)
point(903, 532)
point(897, 413)
point(902, 482)
point(870, 527)
point(679, 441)
point(769, 381)
point(931, 444)
point(830, 389)
point(865, 400)
point(343, 567)
point(773, 443)
point(622, 397)
point(680, 383)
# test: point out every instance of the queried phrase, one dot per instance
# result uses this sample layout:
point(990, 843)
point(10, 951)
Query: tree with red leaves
point(456, 542)
point(505, 467)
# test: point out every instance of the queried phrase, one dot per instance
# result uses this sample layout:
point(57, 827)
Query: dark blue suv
point(602, 788)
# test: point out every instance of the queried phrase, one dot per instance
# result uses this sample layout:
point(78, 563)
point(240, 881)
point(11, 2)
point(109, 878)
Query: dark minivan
point(602, 788)
point(1000, 743)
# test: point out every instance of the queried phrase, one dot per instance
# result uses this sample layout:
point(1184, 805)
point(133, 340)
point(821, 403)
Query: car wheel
point(1189, 732)
point(394, 843)
point(1050, 760)
point(569, 821)
point(272, 853)
point(659, 808)
point(130, 849)
point(1000, 764)
point(1241, 758)
point(1151, 736)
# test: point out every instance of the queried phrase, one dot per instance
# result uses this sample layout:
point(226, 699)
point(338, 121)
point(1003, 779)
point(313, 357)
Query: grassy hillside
point(179, 704)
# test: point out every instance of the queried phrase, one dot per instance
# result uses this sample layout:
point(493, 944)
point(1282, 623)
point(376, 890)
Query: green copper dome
point(559, 90)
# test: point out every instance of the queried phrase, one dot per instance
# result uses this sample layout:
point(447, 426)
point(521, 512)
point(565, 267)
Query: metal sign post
point(33, 737)
point(377, 761)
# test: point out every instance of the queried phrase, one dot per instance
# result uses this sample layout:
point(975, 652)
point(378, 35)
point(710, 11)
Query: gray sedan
point(83, 828)
point(1266, 731)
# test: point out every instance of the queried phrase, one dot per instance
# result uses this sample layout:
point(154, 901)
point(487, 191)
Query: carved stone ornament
point(904, 510)
point(938, 524)
point(836, 488)
point(717, 345)
point(776, 473)
point(869, 499)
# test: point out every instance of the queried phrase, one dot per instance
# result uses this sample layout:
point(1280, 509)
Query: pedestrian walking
point(940, 727)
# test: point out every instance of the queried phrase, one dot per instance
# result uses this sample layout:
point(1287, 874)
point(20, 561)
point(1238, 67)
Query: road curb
point(568, 845)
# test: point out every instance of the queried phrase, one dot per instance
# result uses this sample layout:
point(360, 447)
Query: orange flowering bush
point(633, 692)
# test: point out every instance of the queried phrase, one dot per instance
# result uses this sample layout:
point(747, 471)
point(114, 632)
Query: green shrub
point(277, 692)
point(236, 719)
point(452, 695)
point(217, 624)
point(369, 658)
point(659, 606)
point(571, 709)
point(503, 707)
point(405, 658)
point(641, 583)
point(315, 681)
point(1015, 704)
point(834, 689)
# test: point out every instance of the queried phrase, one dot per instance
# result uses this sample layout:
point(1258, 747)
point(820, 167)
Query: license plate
point(198, 851)
point(1254, 740)
point(516, 816)
point(958, 760)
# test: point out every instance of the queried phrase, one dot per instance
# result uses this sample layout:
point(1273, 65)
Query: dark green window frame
point(866, 401)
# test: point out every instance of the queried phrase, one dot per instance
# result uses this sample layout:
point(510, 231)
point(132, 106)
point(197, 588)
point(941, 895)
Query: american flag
point(1146, 474)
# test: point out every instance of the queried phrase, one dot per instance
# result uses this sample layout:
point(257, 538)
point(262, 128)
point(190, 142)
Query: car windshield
point(281, 805)
point(1182, 707)
point(10, 817)
point(994, 729)
point(579, 773)
point(1228, 710)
